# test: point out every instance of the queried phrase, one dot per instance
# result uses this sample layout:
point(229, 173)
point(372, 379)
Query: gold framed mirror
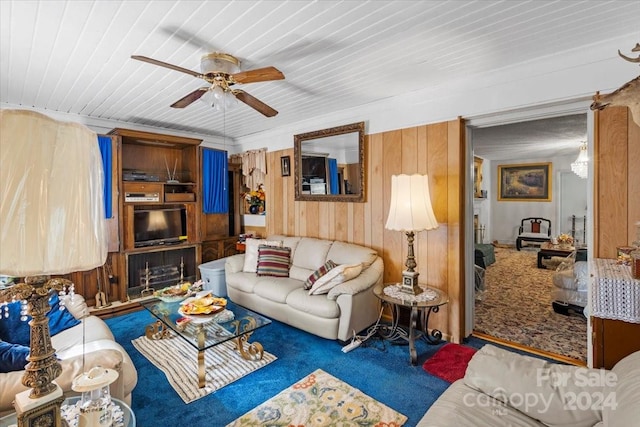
point(329, 164)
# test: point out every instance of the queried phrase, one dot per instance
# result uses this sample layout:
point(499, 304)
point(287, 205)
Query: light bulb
point(208, 99)
point(230, 100)
point(218, 92)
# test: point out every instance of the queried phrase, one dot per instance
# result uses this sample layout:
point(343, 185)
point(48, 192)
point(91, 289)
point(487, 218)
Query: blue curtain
point(104, 142)
point(215, 198)
point(334, 185)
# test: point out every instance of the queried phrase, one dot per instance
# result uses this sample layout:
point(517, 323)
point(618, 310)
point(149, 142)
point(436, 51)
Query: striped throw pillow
point(308, 284)
point(273, 261)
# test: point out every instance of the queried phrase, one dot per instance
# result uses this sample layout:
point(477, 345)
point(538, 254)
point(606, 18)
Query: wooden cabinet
point(159, 206)
point(219, 248)
point(613, 340)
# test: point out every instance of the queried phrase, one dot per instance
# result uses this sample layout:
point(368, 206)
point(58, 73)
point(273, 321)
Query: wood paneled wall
point(436, 150)
point(617, 180)
point(616, 210)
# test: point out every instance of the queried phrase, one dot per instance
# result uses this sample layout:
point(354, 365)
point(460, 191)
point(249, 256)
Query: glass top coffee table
point(207, 331)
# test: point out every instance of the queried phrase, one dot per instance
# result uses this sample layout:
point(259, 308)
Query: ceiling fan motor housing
point(214, 63)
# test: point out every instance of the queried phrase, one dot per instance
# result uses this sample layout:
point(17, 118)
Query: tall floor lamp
point(410, 211)
point(52, 222)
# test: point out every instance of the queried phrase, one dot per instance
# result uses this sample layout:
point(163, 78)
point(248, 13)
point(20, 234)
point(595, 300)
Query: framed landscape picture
point(525, 182)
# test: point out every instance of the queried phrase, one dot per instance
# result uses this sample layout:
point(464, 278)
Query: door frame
point(535, 112)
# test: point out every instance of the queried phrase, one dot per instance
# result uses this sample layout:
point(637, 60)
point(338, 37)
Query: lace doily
point(616, 294)
point(394, 291)
point(70, 414)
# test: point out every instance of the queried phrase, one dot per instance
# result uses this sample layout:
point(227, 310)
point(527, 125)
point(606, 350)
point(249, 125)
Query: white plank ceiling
point(74, 56)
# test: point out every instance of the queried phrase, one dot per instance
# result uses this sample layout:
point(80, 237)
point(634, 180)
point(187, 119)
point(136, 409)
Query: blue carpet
point(377, 368)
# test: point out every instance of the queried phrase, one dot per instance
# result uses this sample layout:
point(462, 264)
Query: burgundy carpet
point(450, 362)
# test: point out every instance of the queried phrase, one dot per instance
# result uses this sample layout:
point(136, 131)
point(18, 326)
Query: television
point(159, 226)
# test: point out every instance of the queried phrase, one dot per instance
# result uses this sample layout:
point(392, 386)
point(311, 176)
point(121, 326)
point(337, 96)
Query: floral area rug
point(516, 306)
point(320, 399)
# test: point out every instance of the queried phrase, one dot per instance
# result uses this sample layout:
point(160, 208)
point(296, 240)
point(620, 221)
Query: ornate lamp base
point(410, 282)
point(40, 412)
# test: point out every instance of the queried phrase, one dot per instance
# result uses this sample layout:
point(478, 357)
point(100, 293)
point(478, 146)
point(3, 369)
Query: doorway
point(515, 304)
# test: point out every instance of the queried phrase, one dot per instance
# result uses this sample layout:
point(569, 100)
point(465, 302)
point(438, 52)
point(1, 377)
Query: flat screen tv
point(159, 226)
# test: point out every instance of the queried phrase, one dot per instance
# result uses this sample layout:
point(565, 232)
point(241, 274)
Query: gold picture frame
point(530, 182)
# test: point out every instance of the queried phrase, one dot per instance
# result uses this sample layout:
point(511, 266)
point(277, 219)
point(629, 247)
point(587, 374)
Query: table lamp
point(410, 211)
point(52, 222)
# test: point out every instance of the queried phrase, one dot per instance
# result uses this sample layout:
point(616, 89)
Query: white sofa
point(100, 349)
point(503, 388)
point(346, 309)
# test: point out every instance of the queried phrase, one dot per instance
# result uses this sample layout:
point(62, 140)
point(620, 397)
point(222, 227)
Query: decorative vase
point(253, 209)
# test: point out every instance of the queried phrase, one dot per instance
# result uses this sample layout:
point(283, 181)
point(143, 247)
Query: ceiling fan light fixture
point(218, 92)
point(581, 165)
point(219, 63)
point(230, 100)
point(209, 98)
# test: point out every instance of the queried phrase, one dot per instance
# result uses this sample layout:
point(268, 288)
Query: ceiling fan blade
point(255, 103)
point(166, 65)
point(192, 97)
point(258, 75)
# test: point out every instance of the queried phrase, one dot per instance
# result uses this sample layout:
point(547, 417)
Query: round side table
point(421, 306)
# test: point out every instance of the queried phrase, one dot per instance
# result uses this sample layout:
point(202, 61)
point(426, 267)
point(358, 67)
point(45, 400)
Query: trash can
point(212, 274)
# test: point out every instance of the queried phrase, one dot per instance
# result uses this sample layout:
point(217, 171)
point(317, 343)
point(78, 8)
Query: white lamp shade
point(51, 196)
point(410, 208)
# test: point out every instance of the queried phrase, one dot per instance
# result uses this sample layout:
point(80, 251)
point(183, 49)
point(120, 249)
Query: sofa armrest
point(76, 305)
point(234, 264)
point(365, 280)
point(11, 382)
point(508, 376)
point(104, 353)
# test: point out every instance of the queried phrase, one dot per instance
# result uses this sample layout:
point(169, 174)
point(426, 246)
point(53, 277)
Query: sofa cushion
point(348, 253)
point(273, 261)
point(276, 288)
point(244, 282)
point(537, 388)
point(626, 390)
point(13, 357)
point(311, 253)
point(334, 277)
point(299, 273)
point(462, 406)
point(251, 252)
point(16, 331)
point(317, 305)
point(321, 271)
point(288, 241)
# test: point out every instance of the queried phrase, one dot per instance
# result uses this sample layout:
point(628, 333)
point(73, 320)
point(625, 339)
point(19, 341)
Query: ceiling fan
point(222, 71)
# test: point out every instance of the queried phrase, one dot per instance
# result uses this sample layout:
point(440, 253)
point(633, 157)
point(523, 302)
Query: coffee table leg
point(157, 331)
point(201, 364)
point(254, 351)
point(540, 257)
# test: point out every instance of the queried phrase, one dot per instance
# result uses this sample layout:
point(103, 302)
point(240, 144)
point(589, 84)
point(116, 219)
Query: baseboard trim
point(532, 350)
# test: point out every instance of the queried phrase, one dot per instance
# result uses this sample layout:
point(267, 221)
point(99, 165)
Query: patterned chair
point(536, 233)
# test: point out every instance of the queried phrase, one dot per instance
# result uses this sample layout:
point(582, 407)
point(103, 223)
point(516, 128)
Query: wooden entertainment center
point(151, 173)
point(156, 173)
